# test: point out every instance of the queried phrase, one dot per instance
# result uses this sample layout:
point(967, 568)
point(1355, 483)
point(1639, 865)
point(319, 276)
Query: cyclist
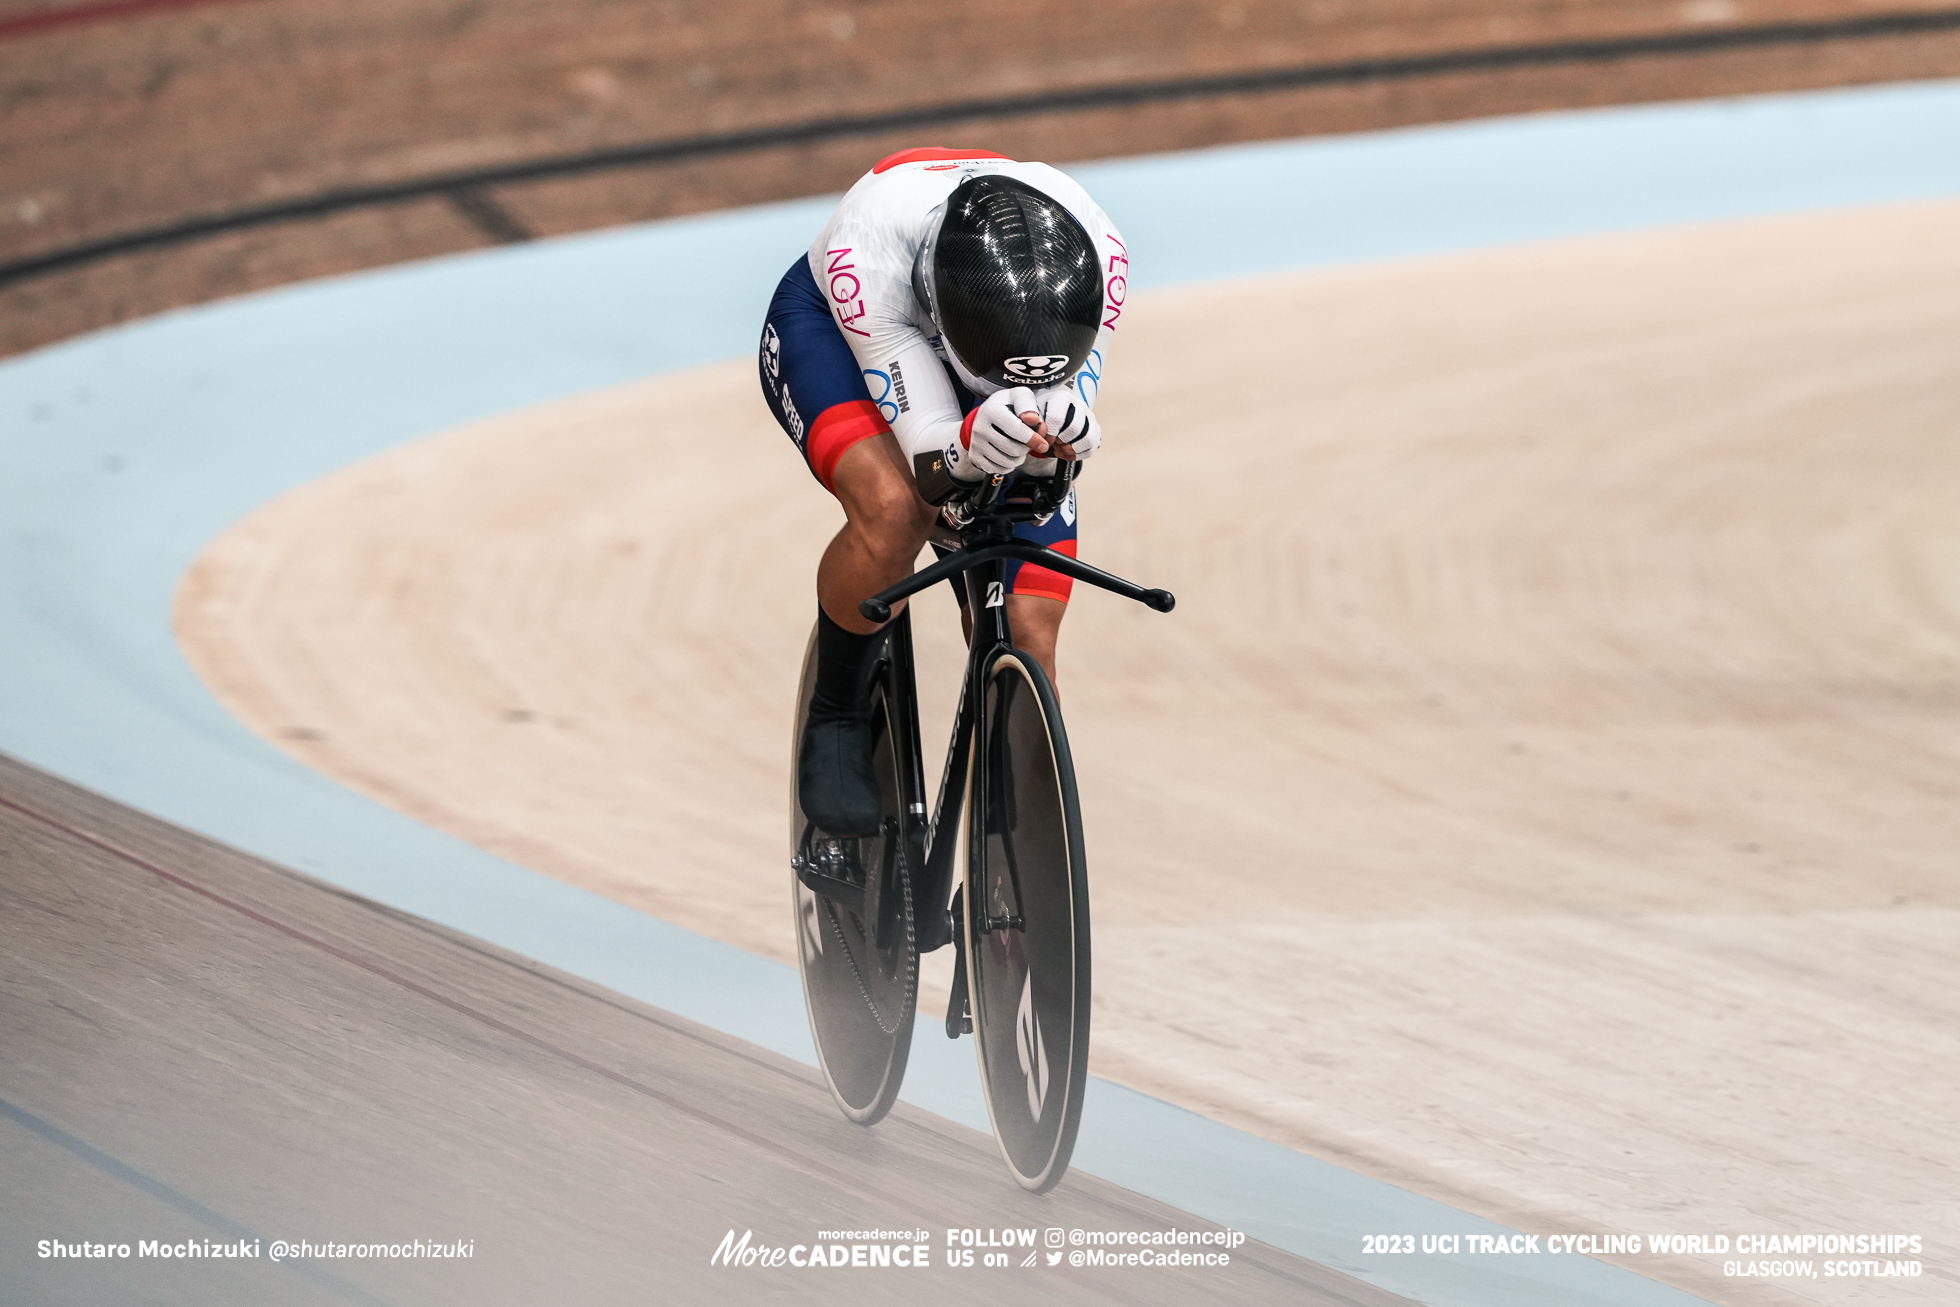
point(949, 324)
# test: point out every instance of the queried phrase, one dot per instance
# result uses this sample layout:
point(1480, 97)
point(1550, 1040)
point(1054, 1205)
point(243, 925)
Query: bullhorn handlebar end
point(873, 611)
point(1161, 600)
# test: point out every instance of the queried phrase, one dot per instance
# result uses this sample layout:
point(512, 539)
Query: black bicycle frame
point(928, 855)
point(984, 546)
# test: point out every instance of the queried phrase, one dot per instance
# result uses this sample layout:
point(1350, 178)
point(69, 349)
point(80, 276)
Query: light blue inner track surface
point(123, 453)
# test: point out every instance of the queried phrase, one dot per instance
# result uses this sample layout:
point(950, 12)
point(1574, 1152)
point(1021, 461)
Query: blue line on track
point(123, 453)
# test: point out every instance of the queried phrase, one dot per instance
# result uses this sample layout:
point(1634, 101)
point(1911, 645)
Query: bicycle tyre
point(861, 999)
point(1028, 983)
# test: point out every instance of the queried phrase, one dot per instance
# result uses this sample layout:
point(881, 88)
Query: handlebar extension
point(878, 608)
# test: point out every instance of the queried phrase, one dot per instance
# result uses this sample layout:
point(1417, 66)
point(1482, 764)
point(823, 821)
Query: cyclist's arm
point(1116, 292)
point(922, 408)
point(865, 270)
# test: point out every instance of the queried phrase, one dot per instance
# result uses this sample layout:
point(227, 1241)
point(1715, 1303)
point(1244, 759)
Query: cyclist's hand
point(994, 440)
point(1071, 429)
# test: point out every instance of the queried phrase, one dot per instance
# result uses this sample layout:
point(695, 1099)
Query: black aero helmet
point(1011, 280)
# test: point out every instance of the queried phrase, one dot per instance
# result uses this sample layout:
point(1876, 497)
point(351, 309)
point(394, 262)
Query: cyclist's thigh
point(1058, 533)
point(811, 379)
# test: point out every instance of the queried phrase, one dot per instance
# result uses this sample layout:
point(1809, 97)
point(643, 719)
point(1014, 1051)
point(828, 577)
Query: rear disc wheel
point(859, 960)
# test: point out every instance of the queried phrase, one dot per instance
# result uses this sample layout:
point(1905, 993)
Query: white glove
point(1070, 422)
point(993, 441)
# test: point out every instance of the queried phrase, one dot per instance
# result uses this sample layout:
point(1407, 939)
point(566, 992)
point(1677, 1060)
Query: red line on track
point(454, 1005)
point(102, 11)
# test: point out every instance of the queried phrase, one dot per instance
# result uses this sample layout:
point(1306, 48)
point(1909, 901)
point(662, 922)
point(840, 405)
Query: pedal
point(829, 868)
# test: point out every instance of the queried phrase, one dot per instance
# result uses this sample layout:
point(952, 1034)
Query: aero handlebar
point(988, 535)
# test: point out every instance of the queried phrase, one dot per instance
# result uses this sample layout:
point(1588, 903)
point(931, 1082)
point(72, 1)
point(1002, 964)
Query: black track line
point(458, 186)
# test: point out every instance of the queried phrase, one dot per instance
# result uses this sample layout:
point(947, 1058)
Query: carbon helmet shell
point(1011, 280)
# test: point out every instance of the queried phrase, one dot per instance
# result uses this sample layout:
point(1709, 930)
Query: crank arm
point(959, 1018)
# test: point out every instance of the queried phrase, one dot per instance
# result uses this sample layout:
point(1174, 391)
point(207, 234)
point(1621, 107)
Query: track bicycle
point(997, 870)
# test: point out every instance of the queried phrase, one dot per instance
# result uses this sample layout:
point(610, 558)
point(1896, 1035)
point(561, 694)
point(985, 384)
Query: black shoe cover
point(834, 782)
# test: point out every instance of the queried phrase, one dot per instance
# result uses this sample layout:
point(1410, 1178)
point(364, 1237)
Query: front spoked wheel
point(855, 930)
point(1026, 911)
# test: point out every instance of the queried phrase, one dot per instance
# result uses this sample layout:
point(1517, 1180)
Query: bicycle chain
point(911, 952)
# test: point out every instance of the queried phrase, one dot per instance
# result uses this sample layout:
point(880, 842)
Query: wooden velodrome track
point(1542, 798)
point(202, 1047)
point(1605, 760)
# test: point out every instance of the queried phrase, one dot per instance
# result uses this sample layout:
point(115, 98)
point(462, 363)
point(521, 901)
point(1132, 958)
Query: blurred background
point(158, 153)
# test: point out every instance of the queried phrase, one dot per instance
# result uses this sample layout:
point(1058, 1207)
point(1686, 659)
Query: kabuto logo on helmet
point(1012, 282)
point(1037, 367)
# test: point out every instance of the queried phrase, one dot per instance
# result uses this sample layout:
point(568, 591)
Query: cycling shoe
point(834, 782)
